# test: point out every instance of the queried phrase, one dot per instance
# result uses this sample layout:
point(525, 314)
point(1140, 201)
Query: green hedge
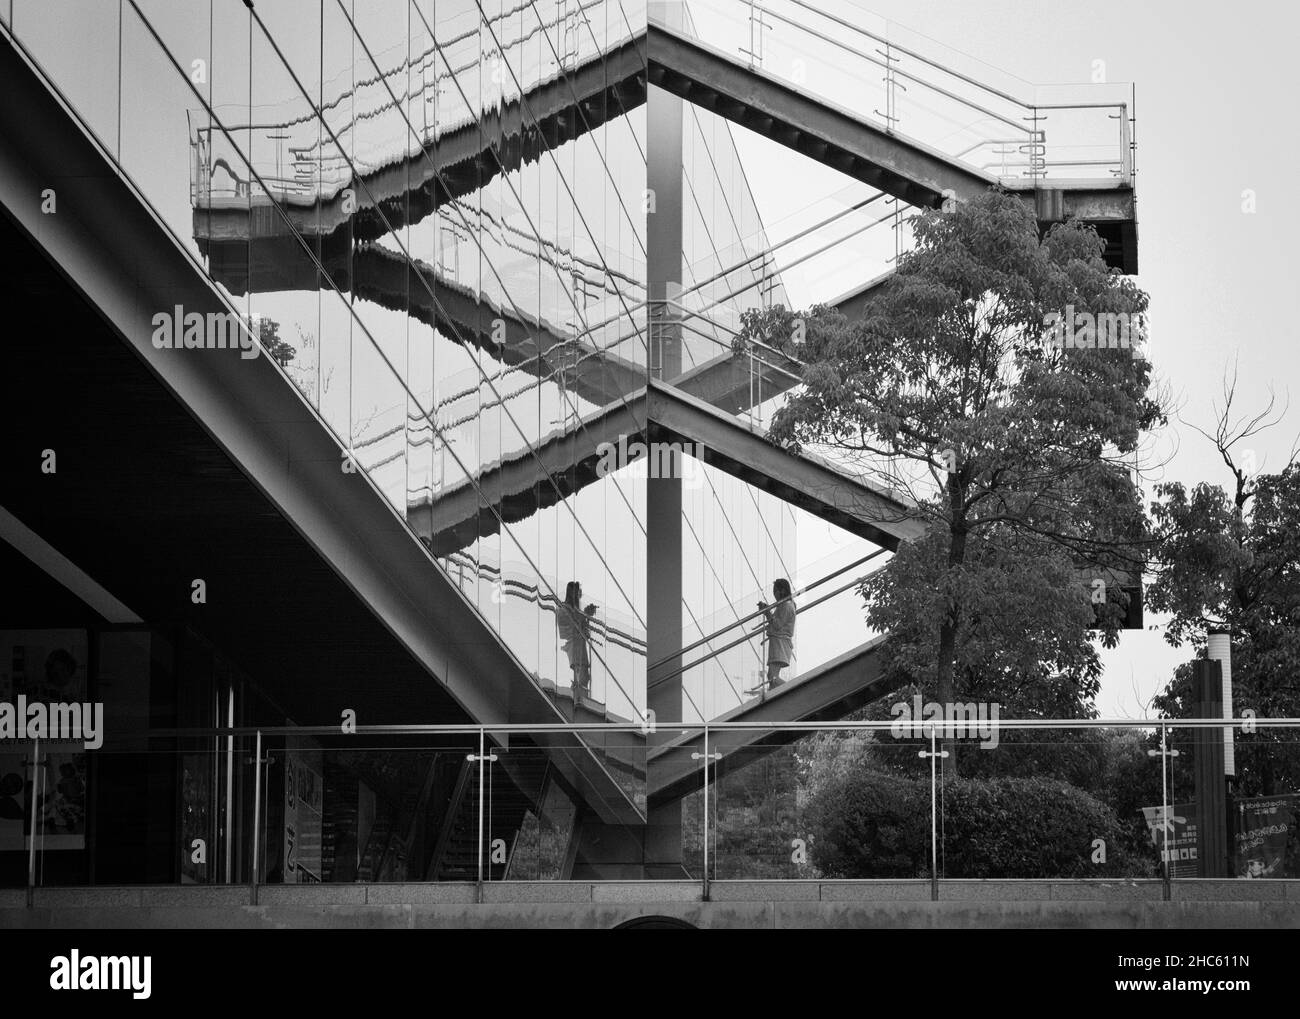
point(875, 824)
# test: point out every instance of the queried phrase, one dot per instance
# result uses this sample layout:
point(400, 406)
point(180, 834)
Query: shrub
point(873, 824)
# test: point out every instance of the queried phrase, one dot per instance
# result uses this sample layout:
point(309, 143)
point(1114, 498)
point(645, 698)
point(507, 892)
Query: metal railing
point(745, 815)
point(918, 88)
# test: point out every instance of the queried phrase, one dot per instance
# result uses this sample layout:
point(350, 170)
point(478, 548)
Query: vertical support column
point(1219, 649)
point(1211, 786)
point(663, 843)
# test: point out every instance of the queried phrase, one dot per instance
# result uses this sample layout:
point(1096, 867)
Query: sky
point(1214, 119)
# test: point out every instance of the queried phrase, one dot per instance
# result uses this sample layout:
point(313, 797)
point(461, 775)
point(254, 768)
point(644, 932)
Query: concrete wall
point(733, 904)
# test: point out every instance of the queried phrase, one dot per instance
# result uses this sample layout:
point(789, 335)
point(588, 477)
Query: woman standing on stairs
point(780, 631)
point(574, 625)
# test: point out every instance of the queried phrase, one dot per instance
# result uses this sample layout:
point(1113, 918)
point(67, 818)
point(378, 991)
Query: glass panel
point(1179, 837)
point(1264, 802)
point(170, 148)
point(908, 83)
point(83, 62)
point(1046, 803)
point(19, 774)
point(535, 821)
point(371, 809)
point(94, 825)
point(841, 804)
point(730, 657)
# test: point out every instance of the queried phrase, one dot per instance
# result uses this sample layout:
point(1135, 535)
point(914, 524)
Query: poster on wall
point(48, 666)
point(1266, 829)
point(1174, 835)
point(304, 793)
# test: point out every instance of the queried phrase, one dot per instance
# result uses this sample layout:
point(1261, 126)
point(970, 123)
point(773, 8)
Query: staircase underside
point(564, 464)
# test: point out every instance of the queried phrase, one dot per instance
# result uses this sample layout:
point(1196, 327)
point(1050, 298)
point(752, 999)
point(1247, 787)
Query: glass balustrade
point(910, 85)
point(951, 796)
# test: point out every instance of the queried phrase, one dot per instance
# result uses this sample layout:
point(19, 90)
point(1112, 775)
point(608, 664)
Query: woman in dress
point(780, 631)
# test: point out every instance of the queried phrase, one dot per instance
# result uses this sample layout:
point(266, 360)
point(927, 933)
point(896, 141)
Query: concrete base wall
point(733, 904)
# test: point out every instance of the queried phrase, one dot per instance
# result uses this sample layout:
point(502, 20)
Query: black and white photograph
point(529, 465)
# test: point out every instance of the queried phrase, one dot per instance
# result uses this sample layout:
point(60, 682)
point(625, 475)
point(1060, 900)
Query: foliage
point(874, 824)
point(1229, 557)
point(1013, 451)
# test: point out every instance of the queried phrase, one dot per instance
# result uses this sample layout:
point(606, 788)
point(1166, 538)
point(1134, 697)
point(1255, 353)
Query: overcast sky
point(1215, 116)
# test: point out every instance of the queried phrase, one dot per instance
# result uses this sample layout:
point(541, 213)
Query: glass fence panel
point(542, 821)
point(19, 775)
point(350, 809)
point(136, 810)
point(1176, 836)
point(1264, 802)
point(851, 802)
point(1042, 803)
point(1242, 823)
point(800, 805)
point(908, 83)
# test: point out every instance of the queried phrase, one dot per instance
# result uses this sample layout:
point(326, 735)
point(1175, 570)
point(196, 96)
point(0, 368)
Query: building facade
point(478, 256)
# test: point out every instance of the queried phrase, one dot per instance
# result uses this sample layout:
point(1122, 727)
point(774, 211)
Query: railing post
point(934, 754)
point(1166, 820)
point(255, 868)
point(31, 847)
point(1125, 145)
point(481, 741)
point(482, 758)
point(230, 788)
point(706, 757)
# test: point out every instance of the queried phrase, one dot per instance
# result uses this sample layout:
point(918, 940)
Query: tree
point(1229, 557)
point(967, 391)
point(268, 334)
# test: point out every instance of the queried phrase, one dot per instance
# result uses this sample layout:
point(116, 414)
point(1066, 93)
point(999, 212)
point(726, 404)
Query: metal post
point(1166, 821)
point(257, 816)
point(934, 754)
point(481, 764)
point(1165, 818)
point(482, 758)
point(31, 847)
point(706, 757)
point(230, 787)
point(706, 813)
point(934, 820)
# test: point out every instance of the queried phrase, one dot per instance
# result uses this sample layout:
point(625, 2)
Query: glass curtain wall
point(736, 538)
point(428, 214)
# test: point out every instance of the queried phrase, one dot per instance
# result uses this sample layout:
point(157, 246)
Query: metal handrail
point(782, 243)
point(754, 615)
point(749, 636)
point(523, 728)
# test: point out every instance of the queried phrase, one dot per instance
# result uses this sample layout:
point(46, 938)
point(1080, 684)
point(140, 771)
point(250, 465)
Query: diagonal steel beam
point(826, 693)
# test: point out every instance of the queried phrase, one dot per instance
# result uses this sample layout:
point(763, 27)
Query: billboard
point(1266, 840)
